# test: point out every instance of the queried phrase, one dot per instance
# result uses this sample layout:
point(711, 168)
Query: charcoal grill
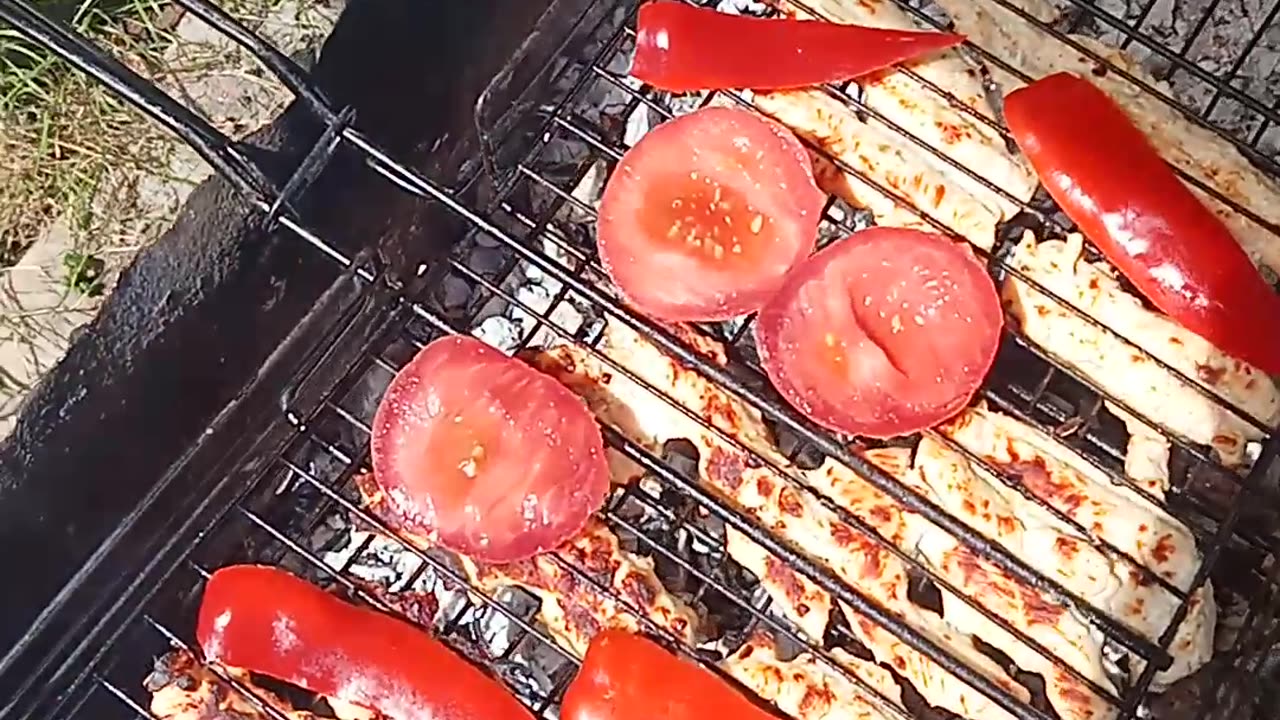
point(500, 245)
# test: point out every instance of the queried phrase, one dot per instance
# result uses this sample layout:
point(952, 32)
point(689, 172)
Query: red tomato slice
point(707, 213)
point(485, 455)
point(885, 333)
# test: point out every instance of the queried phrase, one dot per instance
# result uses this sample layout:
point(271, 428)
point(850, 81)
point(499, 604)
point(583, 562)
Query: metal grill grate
point(525, 273)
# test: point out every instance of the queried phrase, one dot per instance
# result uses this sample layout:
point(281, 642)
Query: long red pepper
point(628, 677)
point(267, 621)
point(682, 48)
point(1106, 176)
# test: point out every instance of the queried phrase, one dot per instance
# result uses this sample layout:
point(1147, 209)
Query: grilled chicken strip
point(967, 134)
point(1200, 152)
point(1131, 377)
point(772, 501)
point(573, 608)
point(878, 154)
point(183, 689)
point(806, 689)
point(864, 566)
point(1111, 512)
point(886, 160)
point(1061, 633)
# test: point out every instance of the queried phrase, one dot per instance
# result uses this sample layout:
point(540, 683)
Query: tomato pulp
point(267, 621)
point(486, 455)
point(704, 217)
point(882, 334)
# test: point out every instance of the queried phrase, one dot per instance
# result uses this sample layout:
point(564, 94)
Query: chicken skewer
point(806, 689)
point(906, 98)
point(183, 689)
point(1058, 631)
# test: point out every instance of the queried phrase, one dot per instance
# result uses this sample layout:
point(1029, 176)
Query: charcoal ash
point(482, 632)
point(744, 7)
point(374, 558)
point(1215, 34)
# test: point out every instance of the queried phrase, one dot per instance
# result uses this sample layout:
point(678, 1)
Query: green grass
point(80, 162)
point(64, 138)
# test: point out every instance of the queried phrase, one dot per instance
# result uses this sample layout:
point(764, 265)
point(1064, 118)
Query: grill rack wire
point(509, 218)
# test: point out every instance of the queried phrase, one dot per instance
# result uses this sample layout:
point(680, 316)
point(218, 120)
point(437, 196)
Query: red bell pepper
point(1106, 176)
point(682, 48)
point(267, 621)
point(628, 677)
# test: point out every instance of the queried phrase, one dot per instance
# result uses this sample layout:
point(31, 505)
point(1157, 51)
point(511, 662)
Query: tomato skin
point(703, 218)
point(484, 455)
point(683, 48)
point(1108, 178)
point(268, 621)
point(882, 334)
point(629, 677)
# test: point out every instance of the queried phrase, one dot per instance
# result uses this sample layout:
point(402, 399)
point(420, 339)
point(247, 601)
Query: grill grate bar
point(573, 282)
point(123, 697)
point(174, 640)
point(1143, 13)
point(844, 515)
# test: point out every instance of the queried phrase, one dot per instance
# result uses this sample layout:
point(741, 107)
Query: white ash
point(374, 558)
point(743, 7)
point(387, 562)
point(500, 332)
point(1217, 49)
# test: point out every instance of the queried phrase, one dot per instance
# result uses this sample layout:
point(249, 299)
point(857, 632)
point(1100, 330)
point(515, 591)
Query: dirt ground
point(87, 181)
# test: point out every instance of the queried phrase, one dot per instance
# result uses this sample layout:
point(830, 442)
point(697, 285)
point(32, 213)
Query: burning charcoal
point(493, 630)
point(454, 292)
point(332, 535)
point(374, 558)
point(683, 104)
